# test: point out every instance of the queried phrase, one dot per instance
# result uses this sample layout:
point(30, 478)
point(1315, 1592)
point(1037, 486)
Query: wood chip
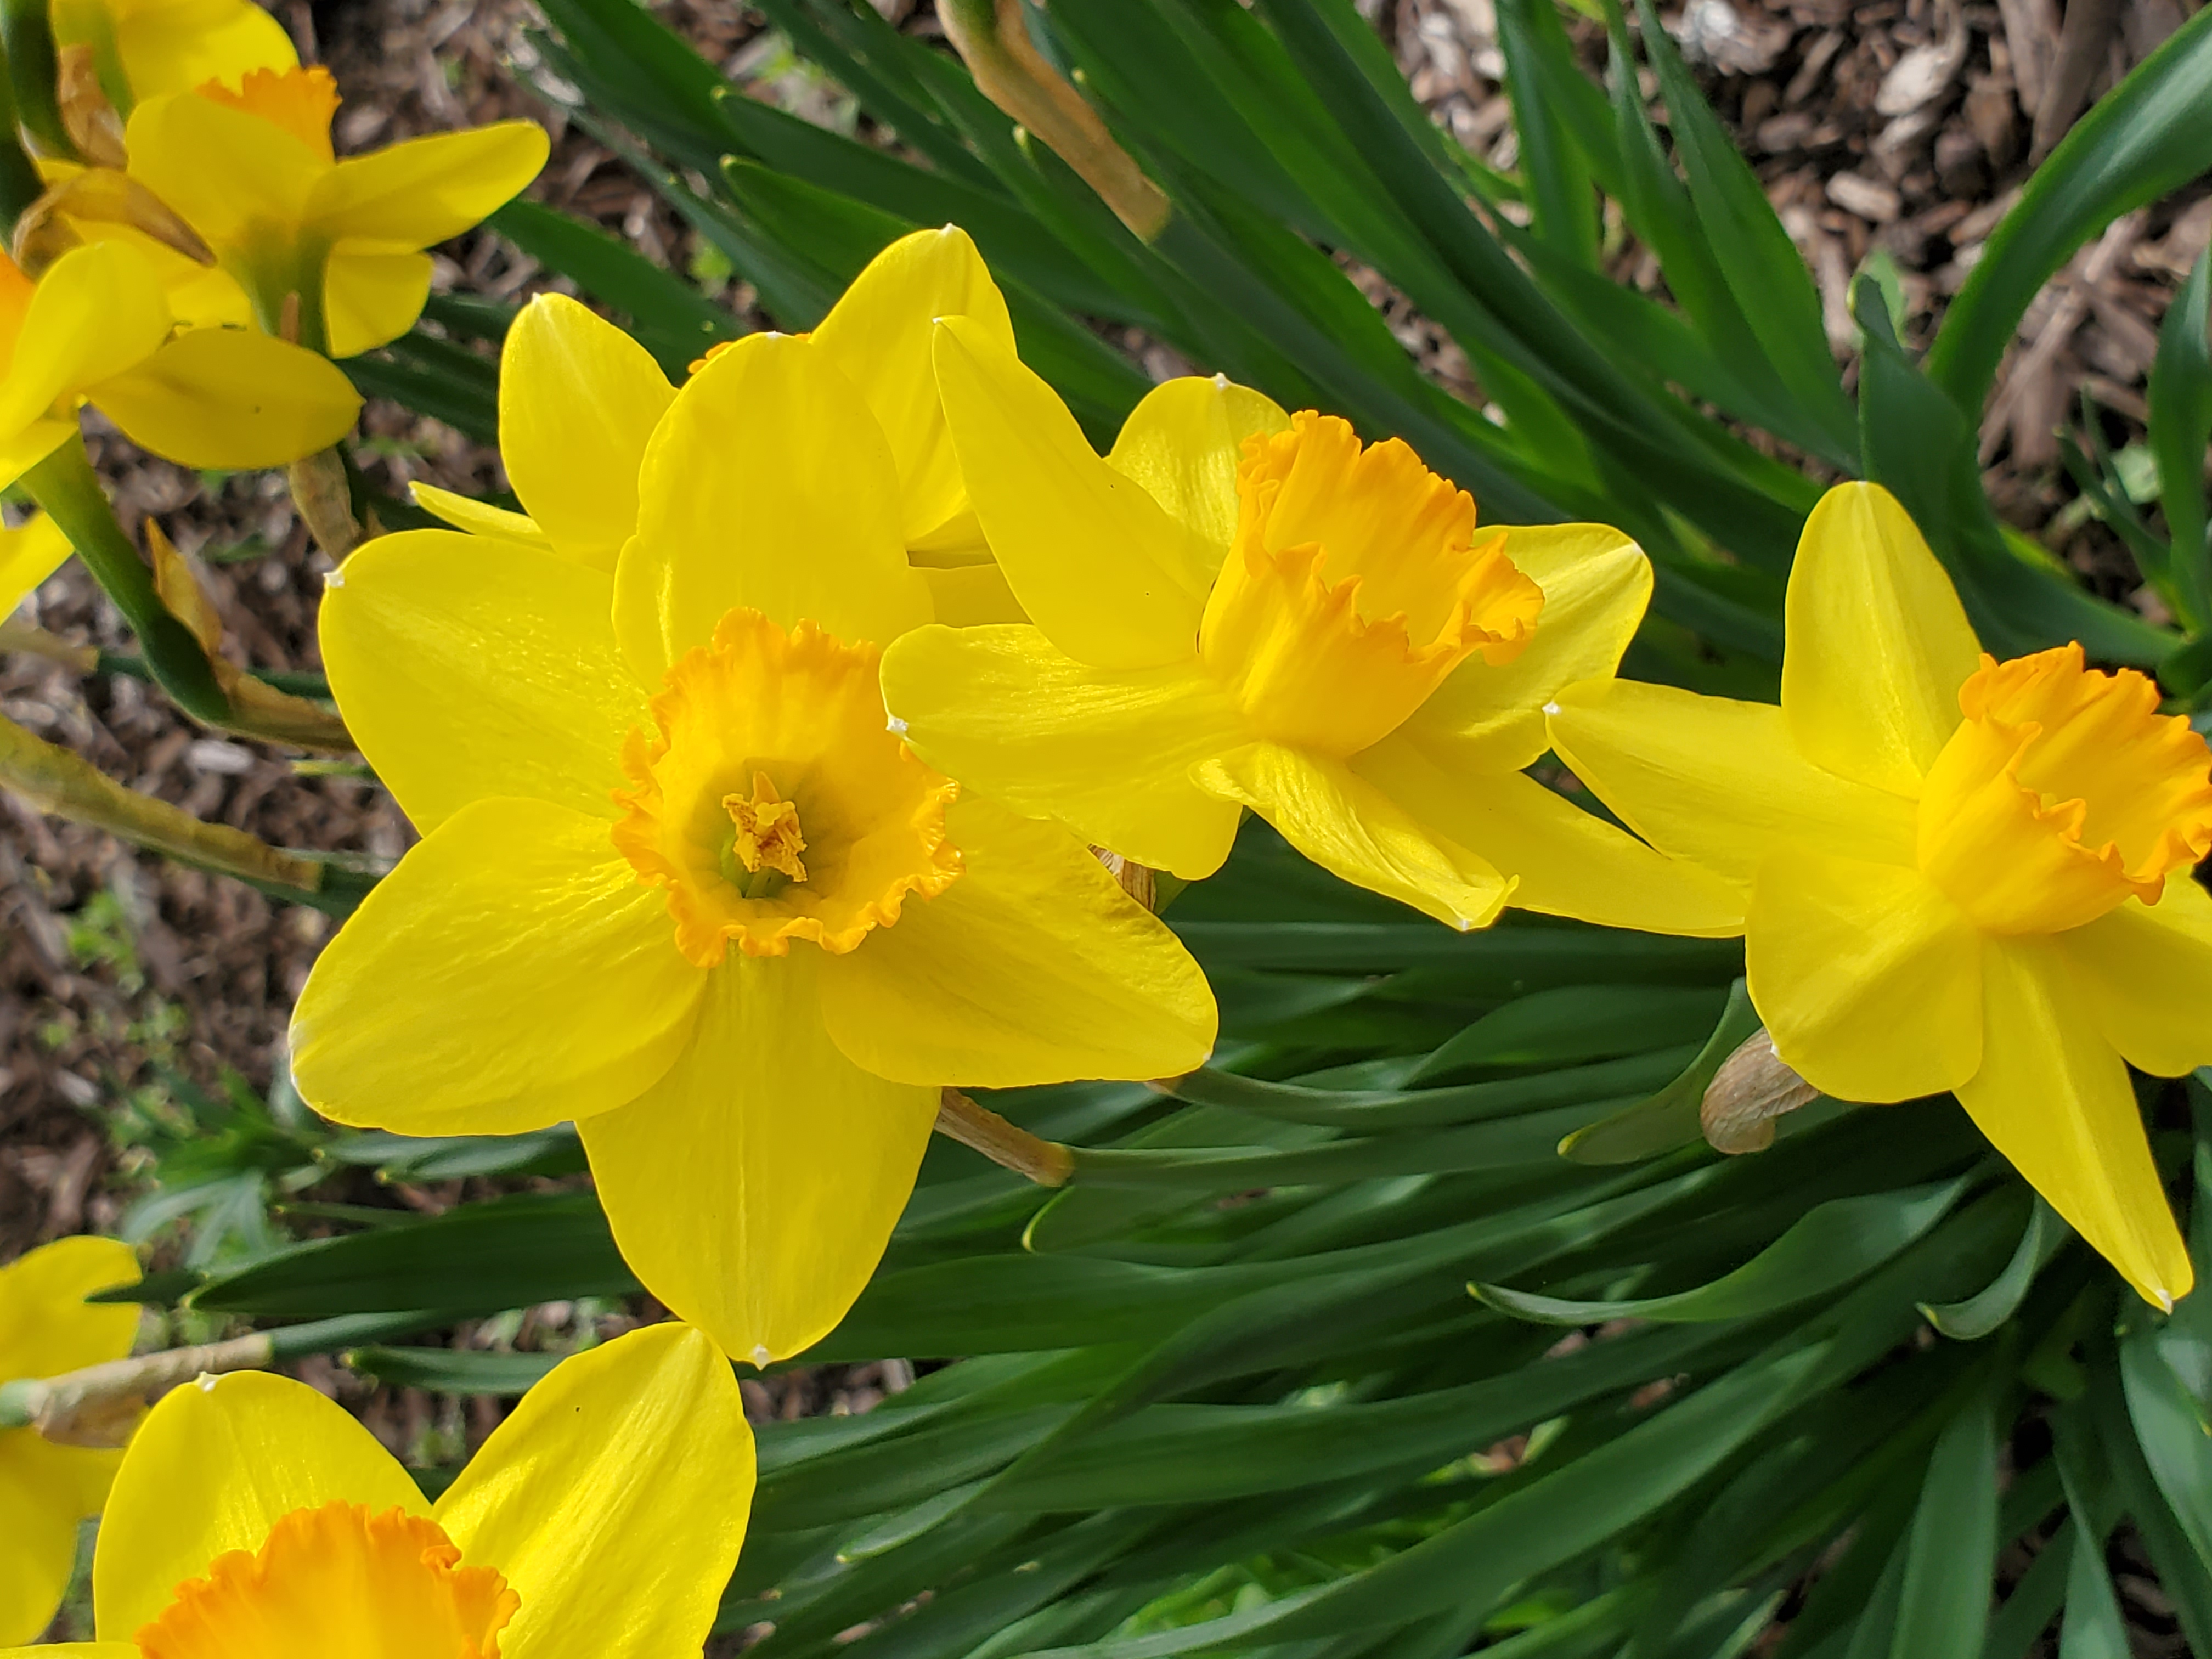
point(1865, 198)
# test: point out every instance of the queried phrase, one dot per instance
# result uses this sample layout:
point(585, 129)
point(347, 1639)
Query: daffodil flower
point(329, 252)
point(1239, 608)
point(254, 1518)
point(95, 328)
point(682, 883)
point(1960, 874)
point(143, 48)
point(46, 1329)
point(578, 400)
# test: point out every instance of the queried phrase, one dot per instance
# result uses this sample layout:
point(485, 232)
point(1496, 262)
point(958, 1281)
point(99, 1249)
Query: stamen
point(765, 850)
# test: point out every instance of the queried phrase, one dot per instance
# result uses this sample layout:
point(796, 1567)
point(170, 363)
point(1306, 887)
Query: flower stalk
point(1047, 1163)
point(97, 1407)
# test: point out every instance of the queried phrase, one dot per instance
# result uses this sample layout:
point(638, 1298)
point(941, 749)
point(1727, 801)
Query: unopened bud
point(1750, 1090)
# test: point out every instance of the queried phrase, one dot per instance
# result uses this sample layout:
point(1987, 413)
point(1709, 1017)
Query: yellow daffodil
point(28, 555)
point(143, 48)
point(579, 399)
point(1239, 608)
point(1960, 874)
point(95, 328)
point(681, 884)
point(46, 1329)
point(253, 1518)
point(329, 252)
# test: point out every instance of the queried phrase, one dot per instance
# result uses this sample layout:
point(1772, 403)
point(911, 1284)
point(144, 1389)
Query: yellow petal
point(225, 397)
point(2146, 972)
point(480, 518)
point(229, 174)
point(1034, 967)
point(45, 1490)
point(2053, 1096)
point(75, 1650)
point(97, 311)
point(423, 190)
point(511, 972)
point(1564, 861)
point(1717, 781)
point(879, 335)
point(757, 1223)
point(371, 297)
point(1183, 441)
point(1098, 564)
point(1878, 643)
point(1108, 752)
point(46, 1327)
point(578, 399)
point(468, 667)
point(28, 557)
point(1596, 583)
point(216, 1464)
point(1350, 828)
point(1869, 979)
point(175, 46)
point(613, 1499)
point(970, 595)
point(767, 484)
point(24, 450)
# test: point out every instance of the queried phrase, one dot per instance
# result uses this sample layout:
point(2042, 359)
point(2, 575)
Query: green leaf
point(1950, 1554)
point(2180, 428)
point(1660, 1122)
point(484, 1258)
point(1833, 1245)
point(451, 1370)
point(2145, 137)
point(1989, 1310)
point(2093, 1628)
point(1760, 263)
point(672, 319)
point(1577, 1023)
point(2171, 1427)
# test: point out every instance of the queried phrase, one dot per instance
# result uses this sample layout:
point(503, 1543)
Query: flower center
point(339, 1582)
point(2063, 794)
point(764, 857)
point(1353, 588)
point(757, 733)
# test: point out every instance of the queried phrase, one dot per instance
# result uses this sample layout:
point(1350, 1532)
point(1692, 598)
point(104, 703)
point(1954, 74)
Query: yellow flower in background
point(1239, 608)
point(681, 884)
point(28, 555)
point(95, 328)
point(138, 49)
point(47, 1329)
point(578, 400)
point(254, 1518)
point(1960, 874)
point(250, 168)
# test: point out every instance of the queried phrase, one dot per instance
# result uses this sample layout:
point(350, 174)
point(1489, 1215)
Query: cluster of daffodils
point(777, 766)
point(199, 255)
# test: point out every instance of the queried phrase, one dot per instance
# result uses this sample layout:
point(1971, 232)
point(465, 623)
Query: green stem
point(64, 486)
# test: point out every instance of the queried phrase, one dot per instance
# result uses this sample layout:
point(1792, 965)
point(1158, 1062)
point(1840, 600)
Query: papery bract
point(1960, 874)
